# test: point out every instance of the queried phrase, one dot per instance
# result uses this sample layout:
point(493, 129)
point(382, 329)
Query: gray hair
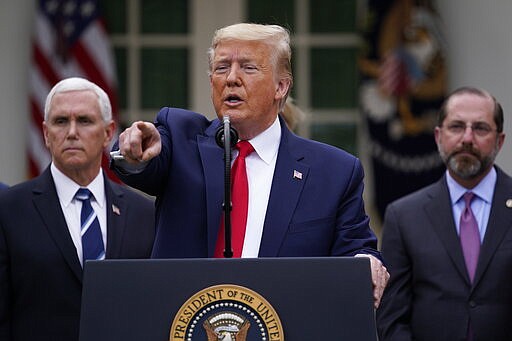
point(78, 84)
point(277, 37)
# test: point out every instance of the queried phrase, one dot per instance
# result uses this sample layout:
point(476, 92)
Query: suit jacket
point(317, 212)
point(40, 273)
point(429, 295)
point(3, 186)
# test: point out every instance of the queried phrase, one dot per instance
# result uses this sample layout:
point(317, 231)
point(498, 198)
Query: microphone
point(226, 138)
point(221, 132)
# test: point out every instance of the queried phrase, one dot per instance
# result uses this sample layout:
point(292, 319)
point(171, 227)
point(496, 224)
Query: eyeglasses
point(480, 129)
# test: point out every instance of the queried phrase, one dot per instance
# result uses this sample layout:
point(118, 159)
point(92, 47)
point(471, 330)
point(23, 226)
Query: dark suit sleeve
point(354, 235)
point(173, 124)
point(4, 290)
point(393, 314)
point(152, 177)
point(140, 229)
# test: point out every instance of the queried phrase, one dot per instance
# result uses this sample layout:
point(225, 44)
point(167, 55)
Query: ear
point(437, 134)
point(110, 129)
point(282, 88)
point(45, 134)
point(500, 141)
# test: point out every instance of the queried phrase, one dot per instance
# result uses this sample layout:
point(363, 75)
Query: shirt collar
point(484, 190)
point(66, 188)
point(266, 144)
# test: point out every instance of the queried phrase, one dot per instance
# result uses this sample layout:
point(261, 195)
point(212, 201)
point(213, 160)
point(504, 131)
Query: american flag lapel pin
point(297, 175)
point(116, 210)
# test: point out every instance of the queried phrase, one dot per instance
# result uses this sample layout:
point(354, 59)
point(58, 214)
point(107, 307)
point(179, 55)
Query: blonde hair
point(277, 37)
point(292, 114)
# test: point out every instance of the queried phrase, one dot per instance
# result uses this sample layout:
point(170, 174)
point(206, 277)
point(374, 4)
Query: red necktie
point(240, 202)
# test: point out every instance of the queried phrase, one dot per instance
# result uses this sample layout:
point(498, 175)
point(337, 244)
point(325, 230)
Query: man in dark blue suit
point(41, 257)
point(304, 197)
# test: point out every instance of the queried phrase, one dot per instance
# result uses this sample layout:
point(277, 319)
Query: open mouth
point(233, 99)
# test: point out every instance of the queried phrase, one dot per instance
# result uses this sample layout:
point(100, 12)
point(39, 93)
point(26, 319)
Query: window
point(160, 48)
point(151, 44)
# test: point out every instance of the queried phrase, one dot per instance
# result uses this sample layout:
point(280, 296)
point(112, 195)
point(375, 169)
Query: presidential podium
point(264, 299)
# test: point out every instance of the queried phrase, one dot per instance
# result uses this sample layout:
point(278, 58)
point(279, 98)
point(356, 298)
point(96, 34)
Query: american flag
point(69, 40)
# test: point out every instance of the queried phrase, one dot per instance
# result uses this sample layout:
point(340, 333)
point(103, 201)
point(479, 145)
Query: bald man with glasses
point(448, 246)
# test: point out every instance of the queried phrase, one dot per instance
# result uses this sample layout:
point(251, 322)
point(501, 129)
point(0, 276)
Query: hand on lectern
point(380, 277)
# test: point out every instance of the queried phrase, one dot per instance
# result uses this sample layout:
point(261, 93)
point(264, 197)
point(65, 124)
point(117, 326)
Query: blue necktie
point(92, 241)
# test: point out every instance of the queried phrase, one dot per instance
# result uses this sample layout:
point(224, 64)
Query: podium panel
point(264, 299)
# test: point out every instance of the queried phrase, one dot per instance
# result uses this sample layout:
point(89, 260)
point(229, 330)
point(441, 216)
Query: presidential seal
point(226, 313)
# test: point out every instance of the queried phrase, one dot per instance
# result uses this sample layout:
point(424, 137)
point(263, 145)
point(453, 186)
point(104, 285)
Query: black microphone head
point(219, 136)
point(233, 134)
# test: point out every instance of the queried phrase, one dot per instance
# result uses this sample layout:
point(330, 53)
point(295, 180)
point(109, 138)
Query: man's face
point(76, 134)
point(245, 86)
point(469, 153)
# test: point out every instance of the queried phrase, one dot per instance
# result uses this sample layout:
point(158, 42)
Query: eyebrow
point(229, 58)
point(465, 122)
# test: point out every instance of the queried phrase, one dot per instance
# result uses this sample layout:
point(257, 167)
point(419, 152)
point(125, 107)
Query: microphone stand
point(226, 137)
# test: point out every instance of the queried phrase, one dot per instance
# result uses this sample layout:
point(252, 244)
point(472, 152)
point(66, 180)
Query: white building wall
point(15, 32)
point(480, 53)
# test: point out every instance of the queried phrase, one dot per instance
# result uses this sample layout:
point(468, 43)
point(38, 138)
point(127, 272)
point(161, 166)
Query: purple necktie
point(469, 236)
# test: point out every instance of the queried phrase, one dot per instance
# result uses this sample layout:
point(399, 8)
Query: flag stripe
point(37, 114)
point(58, 53)
point(92, 72)
point(39, 87)
point(96, 39)
point(38, 152)
point(44, 67)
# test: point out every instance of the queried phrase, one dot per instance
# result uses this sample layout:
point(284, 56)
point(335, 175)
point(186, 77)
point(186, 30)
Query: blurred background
point(369, 74)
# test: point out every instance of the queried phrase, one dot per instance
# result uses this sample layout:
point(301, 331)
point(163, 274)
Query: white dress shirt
point(71, 207)
point(260, 172)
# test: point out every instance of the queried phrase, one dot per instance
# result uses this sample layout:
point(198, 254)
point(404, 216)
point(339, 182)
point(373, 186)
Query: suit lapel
point(500, 222)
point(116, 219)
point(47, 204)
point(290, 175)
point(213, 170)
point(440, 213)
